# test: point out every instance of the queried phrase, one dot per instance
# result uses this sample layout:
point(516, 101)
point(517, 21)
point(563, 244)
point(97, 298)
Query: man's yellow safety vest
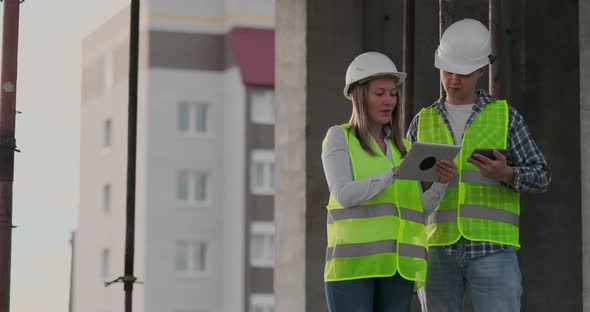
point(475, 207)
point(383, 235)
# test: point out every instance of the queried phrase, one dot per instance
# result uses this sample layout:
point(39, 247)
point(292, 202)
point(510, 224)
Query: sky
point(46, 181)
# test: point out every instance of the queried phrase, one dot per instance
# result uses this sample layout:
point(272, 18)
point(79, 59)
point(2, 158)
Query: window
point(191, 257)
point(106, 197)
point(192, 118)
point(262, 303)
point(109, 77)
point(108, 133)
point(191, 188)
point(262, 172)
point(262, 253)
point(262, 106)
point(106, 263)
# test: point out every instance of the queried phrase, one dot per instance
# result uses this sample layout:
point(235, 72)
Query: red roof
point(255, 54)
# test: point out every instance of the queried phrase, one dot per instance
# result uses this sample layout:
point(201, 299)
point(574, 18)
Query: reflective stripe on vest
point(477, 207)
point(454, 182)
point(487, 213)
point(440, 216)
point(414, 251)
point(372, 211)
point(472, 211)
point(368, 211)
point(371, 248)
point(471, 176)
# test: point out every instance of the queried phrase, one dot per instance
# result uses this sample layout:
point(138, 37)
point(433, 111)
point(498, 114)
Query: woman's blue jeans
point(381, 294)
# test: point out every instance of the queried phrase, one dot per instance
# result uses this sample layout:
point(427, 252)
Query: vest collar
point(483, 98)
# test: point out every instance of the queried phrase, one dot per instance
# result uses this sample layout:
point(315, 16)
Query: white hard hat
point(369, 65)
point(464, 48)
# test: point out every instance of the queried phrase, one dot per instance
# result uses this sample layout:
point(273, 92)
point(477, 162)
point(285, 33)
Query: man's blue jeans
point(494, 280)
point(382, 294)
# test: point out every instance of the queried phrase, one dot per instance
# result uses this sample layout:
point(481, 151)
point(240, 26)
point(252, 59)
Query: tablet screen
point(419, 162)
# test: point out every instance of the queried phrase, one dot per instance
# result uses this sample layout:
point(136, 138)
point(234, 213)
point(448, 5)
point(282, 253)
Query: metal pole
point(129, 278)
point(495, 30)
point(446, 9)
point(7, 142)
point(408, 109)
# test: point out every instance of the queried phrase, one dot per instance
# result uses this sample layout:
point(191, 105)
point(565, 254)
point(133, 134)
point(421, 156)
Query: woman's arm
point(338, 171)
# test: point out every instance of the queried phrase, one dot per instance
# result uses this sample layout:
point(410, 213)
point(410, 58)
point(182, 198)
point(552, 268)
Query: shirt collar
point(388, 132)
point(483, 98)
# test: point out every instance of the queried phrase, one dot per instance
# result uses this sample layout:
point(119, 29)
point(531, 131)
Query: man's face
point(460, 89)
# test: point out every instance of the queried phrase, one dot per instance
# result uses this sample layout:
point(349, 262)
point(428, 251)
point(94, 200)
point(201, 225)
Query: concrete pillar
point(584, 20)
point(290, 147)
point(315, 41)
point(546, 90)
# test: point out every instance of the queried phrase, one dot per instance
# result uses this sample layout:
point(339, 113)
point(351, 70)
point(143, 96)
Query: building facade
point(204, 237)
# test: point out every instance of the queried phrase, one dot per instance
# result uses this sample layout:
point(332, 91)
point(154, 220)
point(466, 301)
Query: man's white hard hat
point(464, 47)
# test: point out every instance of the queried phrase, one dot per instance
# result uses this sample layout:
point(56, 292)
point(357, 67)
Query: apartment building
point(204, 237)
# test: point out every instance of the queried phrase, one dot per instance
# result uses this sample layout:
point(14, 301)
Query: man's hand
point(445, 170)
point(494, 169)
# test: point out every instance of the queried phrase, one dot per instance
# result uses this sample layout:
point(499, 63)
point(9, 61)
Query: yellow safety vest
point(383, 235)
point(475, 207)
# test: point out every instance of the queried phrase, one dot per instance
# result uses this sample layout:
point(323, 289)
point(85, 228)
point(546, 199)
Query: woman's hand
point(445, 170)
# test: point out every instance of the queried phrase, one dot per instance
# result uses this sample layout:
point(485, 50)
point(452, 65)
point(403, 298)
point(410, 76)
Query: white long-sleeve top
point(348, 192)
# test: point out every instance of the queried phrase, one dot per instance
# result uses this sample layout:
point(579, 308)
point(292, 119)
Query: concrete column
point(315, 42)
point(584, 20)
point(546, 91)
point(290, 147)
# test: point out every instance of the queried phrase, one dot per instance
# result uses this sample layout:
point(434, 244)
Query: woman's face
point(382, 99)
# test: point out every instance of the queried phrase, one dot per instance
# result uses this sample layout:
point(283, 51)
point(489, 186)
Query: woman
point(376, 252)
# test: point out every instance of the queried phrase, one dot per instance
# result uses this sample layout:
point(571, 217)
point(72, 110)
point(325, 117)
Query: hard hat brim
point(455, 68)
point(400, 76)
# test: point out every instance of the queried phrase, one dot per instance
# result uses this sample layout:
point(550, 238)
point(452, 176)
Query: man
point(474, 234)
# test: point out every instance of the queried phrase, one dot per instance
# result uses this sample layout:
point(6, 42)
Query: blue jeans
point(381, 294)
point(494, 280)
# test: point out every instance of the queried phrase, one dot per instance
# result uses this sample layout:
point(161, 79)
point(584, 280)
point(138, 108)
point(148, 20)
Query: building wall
point(99, 229)
point(210, 16)
point(167, 222)
point(259, 207)
point(233, 191)
point(546, 90)
point(104, 96)
point(190, 58)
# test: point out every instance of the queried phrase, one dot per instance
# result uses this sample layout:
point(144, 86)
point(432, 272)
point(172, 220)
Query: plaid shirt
point(531, 172)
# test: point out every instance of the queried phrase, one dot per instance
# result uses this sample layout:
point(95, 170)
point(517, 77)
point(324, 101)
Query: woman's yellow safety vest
point(475, 207)
point(383, 235)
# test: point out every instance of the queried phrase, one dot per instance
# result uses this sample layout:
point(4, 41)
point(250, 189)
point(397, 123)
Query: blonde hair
point(359, 120)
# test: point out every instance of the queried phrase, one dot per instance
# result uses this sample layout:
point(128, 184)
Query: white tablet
point(419, 162)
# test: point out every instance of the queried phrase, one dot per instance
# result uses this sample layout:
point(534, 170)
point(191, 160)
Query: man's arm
point(531, 171)
point(412, 134)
